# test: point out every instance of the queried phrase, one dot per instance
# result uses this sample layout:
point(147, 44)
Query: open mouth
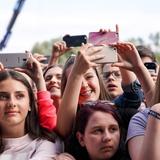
point(111, 86)
point(86, 93)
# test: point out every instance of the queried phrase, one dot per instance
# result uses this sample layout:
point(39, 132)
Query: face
point(90, 89)
point(53, 81)
point(112, 80)
point(101, 137)
point(153, 73)
point(14, 104)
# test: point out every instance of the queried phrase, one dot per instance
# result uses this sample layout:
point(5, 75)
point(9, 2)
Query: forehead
point(100, 118)
point(109, 68)
point(68, 70)
point(12, 85)
point(54, 71)
point(146, 59)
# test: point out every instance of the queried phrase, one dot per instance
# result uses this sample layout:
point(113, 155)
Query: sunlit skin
point(101, 137)
point(90, 89)
point(53, 81)
point(14, 107)
point(112, 83)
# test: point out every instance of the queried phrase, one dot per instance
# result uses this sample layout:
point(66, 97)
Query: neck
point(13, 132)
point(56, 102)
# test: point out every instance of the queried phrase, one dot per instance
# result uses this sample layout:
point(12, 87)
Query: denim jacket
point(129, 101)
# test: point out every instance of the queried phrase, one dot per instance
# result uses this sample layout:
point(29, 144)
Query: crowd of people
point(81, 110)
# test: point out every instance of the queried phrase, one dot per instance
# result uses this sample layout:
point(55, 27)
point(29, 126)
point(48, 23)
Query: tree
point(45, 47)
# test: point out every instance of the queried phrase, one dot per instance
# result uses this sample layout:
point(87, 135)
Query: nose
point(53, 80)
point(111, 77)
point(106, 136)
point(11, 103)
point(84, 83)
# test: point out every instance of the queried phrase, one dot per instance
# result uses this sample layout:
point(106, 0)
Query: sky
point(41, 20)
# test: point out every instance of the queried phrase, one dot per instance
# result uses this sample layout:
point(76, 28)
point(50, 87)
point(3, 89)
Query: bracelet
point(154, 114)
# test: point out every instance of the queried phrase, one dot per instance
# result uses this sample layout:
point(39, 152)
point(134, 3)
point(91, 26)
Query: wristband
point(154, 114)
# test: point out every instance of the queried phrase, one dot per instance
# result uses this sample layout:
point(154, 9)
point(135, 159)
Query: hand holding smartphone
point(12, 60)
point(75, 41)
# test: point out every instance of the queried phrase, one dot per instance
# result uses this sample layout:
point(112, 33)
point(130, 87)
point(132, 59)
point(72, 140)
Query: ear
point(80, 138)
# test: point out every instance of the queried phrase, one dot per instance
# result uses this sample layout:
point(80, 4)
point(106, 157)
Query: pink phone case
point(100, 38)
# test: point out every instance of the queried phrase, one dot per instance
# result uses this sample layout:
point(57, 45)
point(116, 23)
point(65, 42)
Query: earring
point(29, 109)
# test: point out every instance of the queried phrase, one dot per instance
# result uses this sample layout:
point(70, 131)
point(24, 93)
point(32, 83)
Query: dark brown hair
point(32, 125)
point(85, 112)
point(52, 66)
point(146, 52)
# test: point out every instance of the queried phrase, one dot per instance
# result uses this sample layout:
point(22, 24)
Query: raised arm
point(133, 62)
point(58, 49)
point(151, 141)
point(68, 107)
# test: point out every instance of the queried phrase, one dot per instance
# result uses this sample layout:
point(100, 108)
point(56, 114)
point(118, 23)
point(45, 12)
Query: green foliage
point(45, 47)
point(158, 57)
point(137, 41)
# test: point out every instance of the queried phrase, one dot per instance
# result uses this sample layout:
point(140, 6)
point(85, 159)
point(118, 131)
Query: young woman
point(21, 136)
point(98, 133)
point(52, 76)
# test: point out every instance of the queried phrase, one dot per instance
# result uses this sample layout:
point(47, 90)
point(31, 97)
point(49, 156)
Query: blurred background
point(42, 22)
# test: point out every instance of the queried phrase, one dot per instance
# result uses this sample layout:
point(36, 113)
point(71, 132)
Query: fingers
point(60, 46)
point(39, 57)
point(117, 28)
point(1, 67)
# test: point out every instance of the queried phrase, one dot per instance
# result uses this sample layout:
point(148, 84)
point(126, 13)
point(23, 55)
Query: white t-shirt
point(25, 148)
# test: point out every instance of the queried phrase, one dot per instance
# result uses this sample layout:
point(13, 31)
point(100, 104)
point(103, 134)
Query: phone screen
point(100, 38)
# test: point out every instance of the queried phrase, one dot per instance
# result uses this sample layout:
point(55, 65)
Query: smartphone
point(151, 66)
point(12, 60)
point(75, 41)
point(100, 38)
point(46, 60)
point(109, 53)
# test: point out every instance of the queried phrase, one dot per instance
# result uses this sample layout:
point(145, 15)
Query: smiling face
point(14, 105)
point(90, 89)
point(53, 81)
point(101, 137)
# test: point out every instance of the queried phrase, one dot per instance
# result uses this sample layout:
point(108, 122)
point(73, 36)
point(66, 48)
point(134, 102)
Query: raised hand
point(129, 56)
point(86, 57)
point(58, 49)
point(1, 67)
point(34, 71)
